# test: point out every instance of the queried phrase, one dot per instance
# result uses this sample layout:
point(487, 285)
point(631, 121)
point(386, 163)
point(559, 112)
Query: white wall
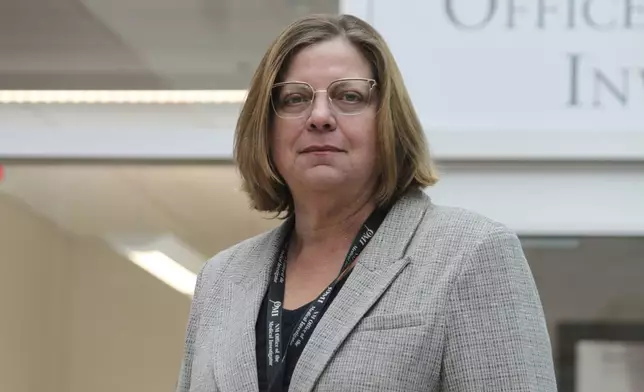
point(558, 199)
point(126, 327)
point(34, 259)
point(76, 317)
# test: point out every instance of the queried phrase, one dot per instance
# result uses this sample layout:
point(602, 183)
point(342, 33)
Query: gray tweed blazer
point(442, 299)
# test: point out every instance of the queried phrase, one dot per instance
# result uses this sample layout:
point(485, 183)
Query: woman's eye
point(294, 99)
point(351, 97)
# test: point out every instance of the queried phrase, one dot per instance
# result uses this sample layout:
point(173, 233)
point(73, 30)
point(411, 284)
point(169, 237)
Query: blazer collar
point(392, 238)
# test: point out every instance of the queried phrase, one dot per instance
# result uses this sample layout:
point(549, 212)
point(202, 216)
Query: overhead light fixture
point(122, 96)
point(164, 257)
point(165, 269)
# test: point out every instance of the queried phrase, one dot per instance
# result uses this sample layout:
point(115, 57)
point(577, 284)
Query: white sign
point(562, 69)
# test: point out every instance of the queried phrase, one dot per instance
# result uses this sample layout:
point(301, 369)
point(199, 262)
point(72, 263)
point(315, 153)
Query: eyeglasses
point(349, 96)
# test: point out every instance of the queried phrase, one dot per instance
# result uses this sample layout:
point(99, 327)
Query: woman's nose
point(321, 117)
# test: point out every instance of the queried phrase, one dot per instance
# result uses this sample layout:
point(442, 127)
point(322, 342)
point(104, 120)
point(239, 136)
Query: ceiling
point(201, 205)
point(134, 44)
point(140, 44)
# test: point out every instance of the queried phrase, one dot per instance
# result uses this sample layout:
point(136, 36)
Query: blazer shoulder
point(230, 258)
point(458, 228)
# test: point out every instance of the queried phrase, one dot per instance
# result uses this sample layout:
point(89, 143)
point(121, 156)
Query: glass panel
point(588, 280)
point(592, 293)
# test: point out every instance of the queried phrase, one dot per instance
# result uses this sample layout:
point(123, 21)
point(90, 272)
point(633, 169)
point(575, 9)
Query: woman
point(367, 285)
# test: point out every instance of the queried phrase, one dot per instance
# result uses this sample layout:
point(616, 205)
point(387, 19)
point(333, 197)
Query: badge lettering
point(325, 294)
point(366, 236)
point(275, 311)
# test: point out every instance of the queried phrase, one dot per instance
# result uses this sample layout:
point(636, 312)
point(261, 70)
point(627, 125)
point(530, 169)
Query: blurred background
point(117, 183)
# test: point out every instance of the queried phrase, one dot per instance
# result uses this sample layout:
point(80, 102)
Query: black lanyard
point(275, 348)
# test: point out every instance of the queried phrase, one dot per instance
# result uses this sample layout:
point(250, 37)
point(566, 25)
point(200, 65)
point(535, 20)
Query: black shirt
point(290, 318)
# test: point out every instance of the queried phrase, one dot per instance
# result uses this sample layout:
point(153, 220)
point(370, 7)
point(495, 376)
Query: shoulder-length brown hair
point(405, 161)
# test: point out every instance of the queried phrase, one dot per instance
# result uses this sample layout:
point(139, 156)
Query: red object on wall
point(1, 173)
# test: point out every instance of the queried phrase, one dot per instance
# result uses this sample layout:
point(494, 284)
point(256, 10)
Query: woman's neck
point(328, 221)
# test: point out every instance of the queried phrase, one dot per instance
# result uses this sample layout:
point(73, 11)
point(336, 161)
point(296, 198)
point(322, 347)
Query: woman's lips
point(321, 149)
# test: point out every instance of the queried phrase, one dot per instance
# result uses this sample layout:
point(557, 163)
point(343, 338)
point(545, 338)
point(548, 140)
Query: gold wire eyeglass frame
point(372, 85)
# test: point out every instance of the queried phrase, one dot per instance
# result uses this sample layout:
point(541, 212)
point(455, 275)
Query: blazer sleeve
point(185, 372)
point(497, 339)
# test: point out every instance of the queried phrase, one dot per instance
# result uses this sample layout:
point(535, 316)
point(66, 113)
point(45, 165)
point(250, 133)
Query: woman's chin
point(324, 178)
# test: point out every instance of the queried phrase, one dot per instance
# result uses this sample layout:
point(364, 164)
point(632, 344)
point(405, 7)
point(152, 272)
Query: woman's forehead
point(322, 63)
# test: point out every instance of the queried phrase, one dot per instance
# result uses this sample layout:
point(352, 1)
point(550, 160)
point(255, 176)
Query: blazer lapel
point(378, 266)
point(235, 360)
